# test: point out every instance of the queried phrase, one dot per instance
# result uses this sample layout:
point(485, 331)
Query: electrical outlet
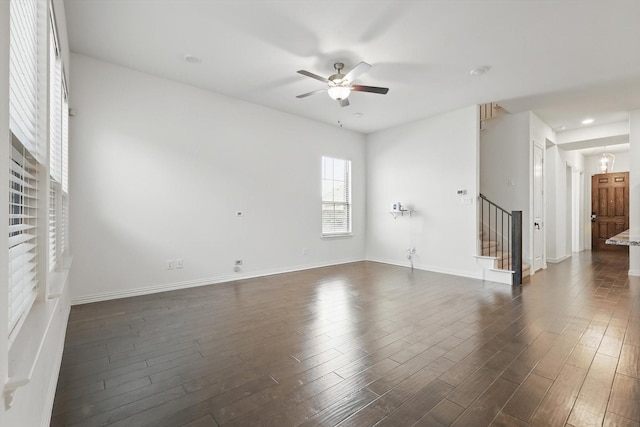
point(239, 213)
point(169, 264)
point(236, 269)
point(179, 263)
point(238, 262)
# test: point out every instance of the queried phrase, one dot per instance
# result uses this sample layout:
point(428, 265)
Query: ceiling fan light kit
point(339, 86)
point(339, 92)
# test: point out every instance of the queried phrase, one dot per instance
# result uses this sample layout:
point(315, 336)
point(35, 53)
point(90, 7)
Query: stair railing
point(501, 234)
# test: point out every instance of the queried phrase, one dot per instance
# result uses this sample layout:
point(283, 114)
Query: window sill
point(335, 236)
point(27, 347)
point(57, 282)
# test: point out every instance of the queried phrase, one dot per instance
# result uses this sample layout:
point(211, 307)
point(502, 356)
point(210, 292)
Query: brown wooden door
point(610, 205)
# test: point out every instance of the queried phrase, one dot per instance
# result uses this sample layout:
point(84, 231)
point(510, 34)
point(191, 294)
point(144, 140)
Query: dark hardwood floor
point(363, 344)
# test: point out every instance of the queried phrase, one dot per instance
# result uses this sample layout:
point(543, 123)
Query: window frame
point(344, 201)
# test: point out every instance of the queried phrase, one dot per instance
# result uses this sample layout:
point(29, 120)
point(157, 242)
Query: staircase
point(500, 244)
point(501, 256)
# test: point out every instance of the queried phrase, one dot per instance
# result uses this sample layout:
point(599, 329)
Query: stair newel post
point(516, 252)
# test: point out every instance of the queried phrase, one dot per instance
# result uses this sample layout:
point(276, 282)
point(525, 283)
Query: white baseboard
point(433, 269)
point(145, 290)
point(635, 273)
point(557, 260)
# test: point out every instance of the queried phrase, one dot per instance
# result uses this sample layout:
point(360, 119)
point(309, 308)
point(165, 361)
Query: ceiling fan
point(340, 85)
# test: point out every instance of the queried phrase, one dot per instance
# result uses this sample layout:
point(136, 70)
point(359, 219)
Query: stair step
point(505, 257)
point(489, 244)
point(496, 252)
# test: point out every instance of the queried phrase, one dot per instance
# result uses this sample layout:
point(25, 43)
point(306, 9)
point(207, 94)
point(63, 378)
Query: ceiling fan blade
point(357, 70)
point(304, 95)
point(372, 89)
point(313, 76)
point(344, 102)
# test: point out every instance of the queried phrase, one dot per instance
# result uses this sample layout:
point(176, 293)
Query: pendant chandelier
point(606, 161)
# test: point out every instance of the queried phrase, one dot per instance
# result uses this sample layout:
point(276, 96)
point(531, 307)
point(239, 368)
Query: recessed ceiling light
point(587, 121)
point(480, 70)
point(192, 59)
point(358, 115)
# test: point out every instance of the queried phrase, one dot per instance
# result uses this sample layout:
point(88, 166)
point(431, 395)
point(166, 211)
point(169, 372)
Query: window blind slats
point(53, 226)
point(58, 147)
point(22, 217)
point(22, 233)
point(65, 145)
point(24, 274)
point(55, 118)
point(23, 72)
point(20, 238)
point(26, 157)
point(20, 227)
point(64, 218)
point(20, 182)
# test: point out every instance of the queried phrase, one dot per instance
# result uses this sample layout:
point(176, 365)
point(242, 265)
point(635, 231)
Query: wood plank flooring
point(363, 344)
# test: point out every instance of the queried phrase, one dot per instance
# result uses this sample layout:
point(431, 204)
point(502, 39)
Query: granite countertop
point(626, 238)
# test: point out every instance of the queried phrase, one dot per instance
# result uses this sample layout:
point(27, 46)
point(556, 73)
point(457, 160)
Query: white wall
point(634, 189)
point(423, 164)
point(505, 153)
point(159, 170)
point(562, 168)
point(554, 202)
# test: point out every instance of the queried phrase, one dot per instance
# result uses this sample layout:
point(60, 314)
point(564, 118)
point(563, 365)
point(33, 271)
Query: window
point(58, 146)
point(23, 72)
point(336, 196)
point(23, 236)
point(25, 160)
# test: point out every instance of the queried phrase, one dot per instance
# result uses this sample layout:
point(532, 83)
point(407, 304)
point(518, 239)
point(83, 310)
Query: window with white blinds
point(26, 153)
point(23, 238)
point(55, 111)
point(336, 196)
point(23, 72)
point(58, 149)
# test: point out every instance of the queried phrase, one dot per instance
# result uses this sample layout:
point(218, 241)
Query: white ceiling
point(563, 59)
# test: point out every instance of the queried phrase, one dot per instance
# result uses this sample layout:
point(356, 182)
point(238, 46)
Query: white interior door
point(538, 208)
